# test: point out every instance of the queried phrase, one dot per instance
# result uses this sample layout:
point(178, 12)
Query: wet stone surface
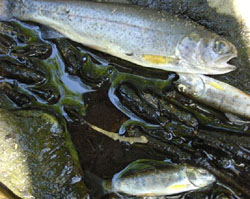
point(78, 84)
point(35, 157)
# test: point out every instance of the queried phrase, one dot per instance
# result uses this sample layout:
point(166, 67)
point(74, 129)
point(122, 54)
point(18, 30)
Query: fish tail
point(96, 186)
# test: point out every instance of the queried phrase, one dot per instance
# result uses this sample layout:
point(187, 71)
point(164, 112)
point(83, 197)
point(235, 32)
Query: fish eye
point(220, 47)
point(181, 88)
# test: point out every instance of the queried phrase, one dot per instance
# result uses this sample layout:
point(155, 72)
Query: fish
point(151, 178)
point(143, 36)
point(215, 93)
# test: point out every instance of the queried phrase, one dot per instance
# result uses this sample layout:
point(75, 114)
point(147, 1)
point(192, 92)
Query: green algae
point(38, 159)
point(38, 183)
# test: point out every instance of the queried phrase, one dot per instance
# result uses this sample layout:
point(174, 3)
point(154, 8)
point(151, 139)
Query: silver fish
point(214, 93)
point(142, 36)
point(157, 178)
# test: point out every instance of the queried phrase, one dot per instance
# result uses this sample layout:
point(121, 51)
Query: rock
point(37, 157)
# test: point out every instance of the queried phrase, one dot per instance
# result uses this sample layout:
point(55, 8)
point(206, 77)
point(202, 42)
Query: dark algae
point(11, 92)
point(79, 86)
point(12, 70)
point(40, 50)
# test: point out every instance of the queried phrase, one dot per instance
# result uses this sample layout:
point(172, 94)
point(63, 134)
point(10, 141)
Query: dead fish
point(142, 36)
point(144, 178)
point(214, 93)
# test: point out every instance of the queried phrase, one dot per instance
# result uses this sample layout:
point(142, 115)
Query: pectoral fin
point(49, 33)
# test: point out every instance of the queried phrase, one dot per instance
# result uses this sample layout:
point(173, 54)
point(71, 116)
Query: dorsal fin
point(143, 165)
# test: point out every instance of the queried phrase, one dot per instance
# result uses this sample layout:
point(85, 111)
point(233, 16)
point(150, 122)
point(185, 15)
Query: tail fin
point(96, 185)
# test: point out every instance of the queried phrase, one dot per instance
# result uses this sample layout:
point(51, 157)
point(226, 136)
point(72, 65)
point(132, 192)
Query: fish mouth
point(227, 58)
point(223, 61)
point(222, 66)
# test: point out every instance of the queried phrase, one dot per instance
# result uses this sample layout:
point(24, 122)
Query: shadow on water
point(218, 146)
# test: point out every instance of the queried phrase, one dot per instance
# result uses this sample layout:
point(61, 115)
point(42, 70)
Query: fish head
point(208, 52)
point(191, 84)
point(199, 177)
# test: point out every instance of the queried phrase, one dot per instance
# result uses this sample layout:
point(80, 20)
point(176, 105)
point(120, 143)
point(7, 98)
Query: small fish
point(144, 178)
point(139, 35)
point(216, 94)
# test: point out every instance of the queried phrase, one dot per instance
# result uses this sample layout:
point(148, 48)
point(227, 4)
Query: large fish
point(157, 178)
point(143, 36)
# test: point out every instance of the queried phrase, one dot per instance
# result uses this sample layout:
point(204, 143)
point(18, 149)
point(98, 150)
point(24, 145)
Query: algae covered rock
point(37, 158)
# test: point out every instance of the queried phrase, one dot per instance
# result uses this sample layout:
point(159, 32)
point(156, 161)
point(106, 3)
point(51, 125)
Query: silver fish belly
point(143, 36)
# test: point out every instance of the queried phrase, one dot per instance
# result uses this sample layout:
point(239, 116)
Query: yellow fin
point(156, 59)
point(217, 86)
point(178, 186)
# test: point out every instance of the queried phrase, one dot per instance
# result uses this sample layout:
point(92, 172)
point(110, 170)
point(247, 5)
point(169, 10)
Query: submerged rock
point(37, 157)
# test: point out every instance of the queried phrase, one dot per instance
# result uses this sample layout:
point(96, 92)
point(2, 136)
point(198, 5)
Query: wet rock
point(80, 62)
point(32, 76)
point(95, 74)
point(11, 69)
point(37, 157)
point(157, 103)
point(49, 94)
point(21, 33)
point(128, 97)
point(39, 50)
point(15, 96)
point(6, 43)
point(74, 59)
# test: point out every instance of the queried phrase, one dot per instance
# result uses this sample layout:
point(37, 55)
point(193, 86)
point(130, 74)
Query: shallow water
point(79, 84)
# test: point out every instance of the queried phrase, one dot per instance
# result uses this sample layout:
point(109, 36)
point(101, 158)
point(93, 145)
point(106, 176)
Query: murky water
point(79, 84)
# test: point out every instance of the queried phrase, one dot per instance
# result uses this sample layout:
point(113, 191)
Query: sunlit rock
point(37, 157)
